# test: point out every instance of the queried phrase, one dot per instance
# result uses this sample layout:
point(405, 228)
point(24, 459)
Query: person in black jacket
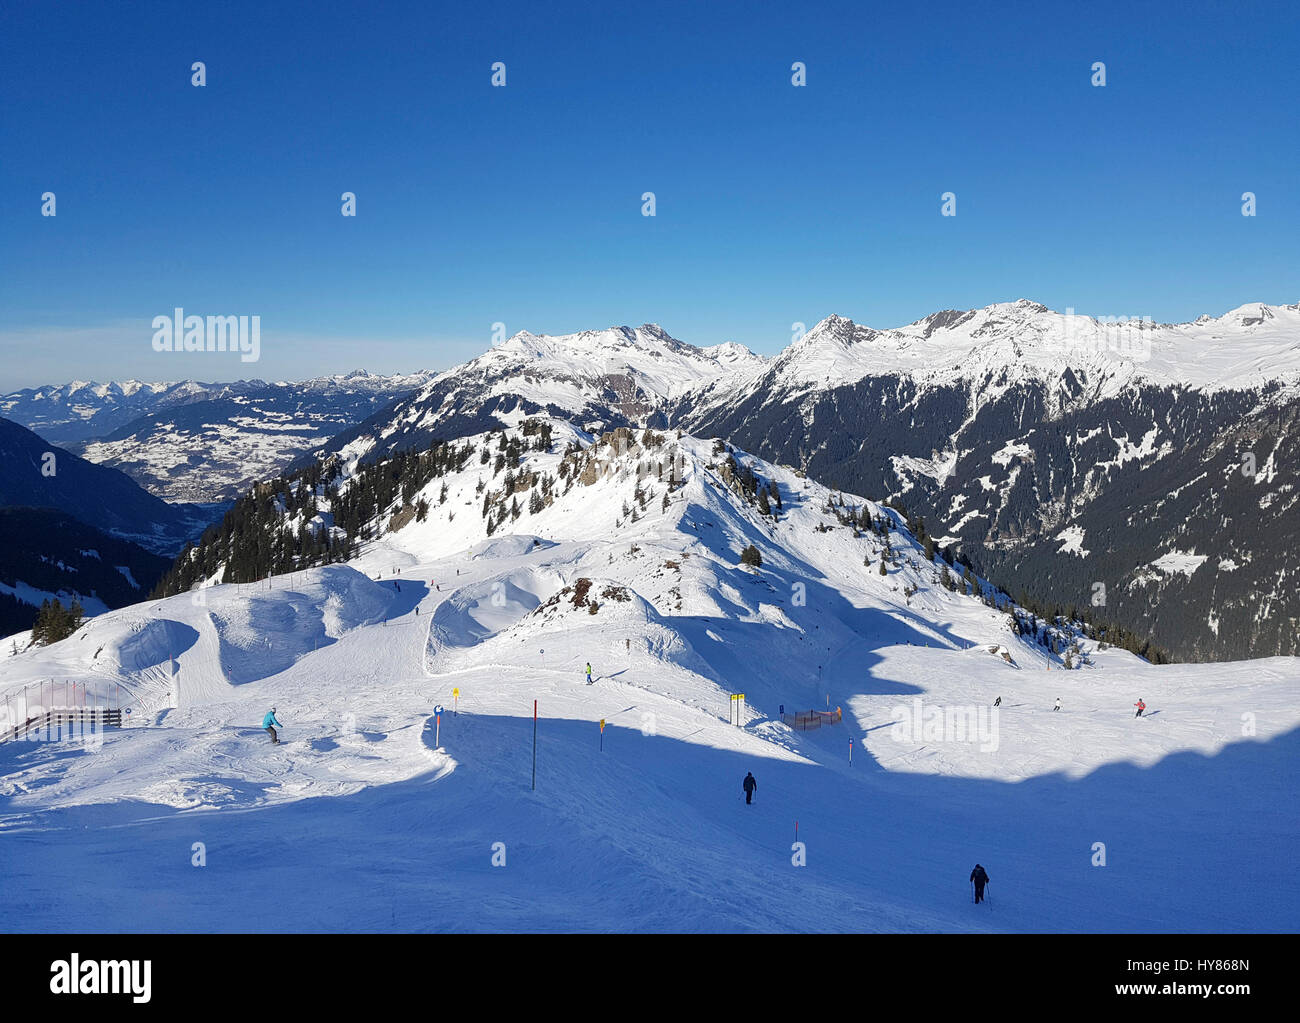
point(749, 785)
point(979, 878)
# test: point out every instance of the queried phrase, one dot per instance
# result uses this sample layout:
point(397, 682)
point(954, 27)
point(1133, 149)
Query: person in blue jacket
point(269, 722)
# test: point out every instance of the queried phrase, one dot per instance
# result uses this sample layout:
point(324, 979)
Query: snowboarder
point(588, 673)
point(1058, 704)
point(749, 785)
point(1140, 706)
point(979, 878)
point(998, 702)
point(269, 722)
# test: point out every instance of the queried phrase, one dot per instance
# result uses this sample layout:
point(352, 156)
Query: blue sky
point(522, 204)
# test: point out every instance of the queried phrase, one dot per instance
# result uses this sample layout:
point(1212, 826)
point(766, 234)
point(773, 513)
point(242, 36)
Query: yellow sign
point(455, 692)
point(602, 724)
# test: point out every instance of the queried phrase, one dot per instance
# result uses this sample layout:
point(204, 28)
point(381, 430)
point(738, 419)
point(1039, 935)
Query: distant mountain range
point(191, 441)
point(1147, 466)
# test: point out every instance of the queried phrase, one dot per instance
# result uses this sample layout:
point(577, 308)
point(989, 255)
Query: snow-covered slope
point(362, 821)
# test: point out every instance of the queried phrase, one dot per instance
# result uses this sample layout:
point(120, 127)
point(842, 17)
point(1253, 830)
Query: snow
point(1186, 562)
point(28, 594)
point(1243, 348)
point(1072, 541)
point(361, 822)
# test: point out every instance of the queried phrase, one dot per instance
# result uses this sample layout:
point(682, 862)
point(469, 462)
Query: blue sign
point(438, 709)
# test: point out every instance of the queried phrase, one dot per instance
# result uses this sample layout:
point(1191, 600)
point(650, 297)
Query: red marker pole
point(850, 751)
point(437, 730)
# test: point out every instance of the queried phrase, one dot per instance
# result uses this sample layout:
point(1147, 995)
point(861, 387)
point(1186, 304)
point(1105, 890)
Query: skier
point(979, 878)
point(1140, 706)
point(1058, 704)
point(749, 785)
point(998, 702)
point(588, 673)
point(269, 722)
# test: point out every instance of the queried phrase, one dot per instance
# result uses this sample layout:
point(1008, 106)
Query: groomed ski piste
point(1087, 819)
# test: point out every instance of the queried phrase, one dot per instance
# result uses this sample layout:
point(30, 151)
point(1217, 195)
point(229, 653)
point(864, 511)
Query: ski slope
point(361, 821)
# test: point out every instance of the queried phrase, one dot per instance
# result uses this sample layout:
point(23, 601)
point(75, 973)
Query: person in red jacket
point(1140, 706)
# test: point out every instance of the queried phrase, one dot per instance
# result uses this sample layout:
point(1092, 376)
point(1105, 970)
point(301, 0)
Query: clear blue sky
point(522, 204)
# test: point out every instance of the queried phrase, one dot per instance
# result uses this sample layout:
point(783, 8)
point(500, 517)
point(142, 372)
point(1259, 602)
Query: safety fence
point(63, 722)
point(807, 720)
point(62, 704)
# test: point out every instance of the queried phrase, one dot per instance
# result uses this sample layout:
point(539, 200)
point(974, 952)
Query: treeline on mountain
point(1081, 467)
point(312, 516)
point(279, 525)
point(53, 553)
point(645, 458)
point(1048, 623)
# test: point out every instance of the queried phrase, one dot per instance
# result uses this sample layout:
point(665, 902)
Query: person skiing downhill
point(979, 878)
point(269, 722)
point(749, 785)
point(588, 673)
point(998, 702)
point(1058, 704)
point(1140, 706)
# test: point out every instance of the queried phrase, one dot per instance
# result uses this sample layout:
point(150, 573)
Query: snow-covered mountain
point(599, 377)
point(484, 587)
point(1011, 429)
point(191, 441)
point(1014, 343)
point(1068, 458)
